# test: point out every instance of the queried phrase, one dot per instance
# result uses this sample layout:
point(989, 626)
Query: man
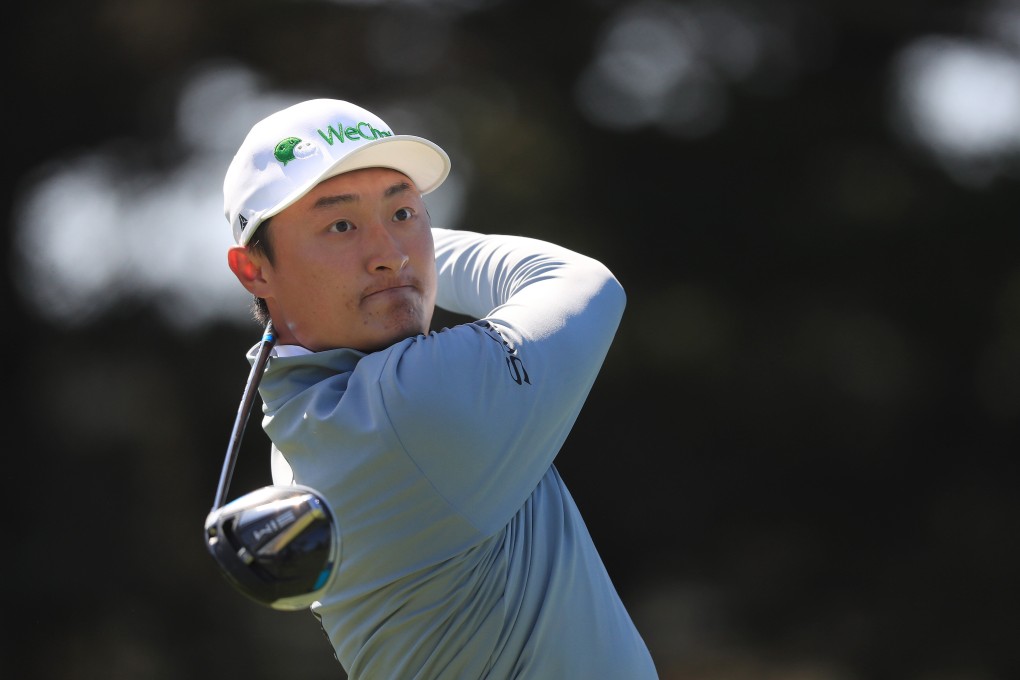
point(462, 554)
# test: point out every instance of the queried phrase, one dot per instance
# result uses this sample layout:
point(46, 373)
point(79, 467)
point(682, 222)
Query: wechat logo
point(293, 148)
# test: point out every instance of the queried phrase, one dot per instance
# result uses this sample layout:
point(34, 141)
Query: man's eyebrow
point(338, 199)
point(397, 188)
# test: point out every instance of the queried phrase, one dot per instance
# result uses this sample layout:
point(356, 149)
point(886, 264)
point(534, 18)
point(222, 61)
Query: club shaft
point(243, 413)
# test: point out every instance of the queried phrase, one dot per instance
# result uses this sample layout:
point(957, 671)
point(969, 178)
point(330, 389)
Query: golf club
point(277, 544)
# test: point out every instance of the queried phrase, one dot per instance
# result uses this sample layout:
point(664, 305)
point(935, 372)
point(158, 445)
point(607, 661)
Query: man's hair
point(261, 244)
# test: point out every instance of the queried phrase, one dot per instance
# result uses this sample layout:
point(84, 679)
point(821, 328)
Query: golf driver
point(277, 544)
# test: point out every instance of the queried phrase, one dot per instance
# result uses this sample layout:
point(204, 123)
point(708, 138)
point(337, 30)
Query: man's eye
point(403, 215)
point(341, 226)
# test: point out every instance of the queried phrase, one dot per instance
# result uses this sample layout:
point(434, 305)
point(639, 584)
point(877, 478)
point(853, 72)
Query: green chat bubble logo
point(292, 148)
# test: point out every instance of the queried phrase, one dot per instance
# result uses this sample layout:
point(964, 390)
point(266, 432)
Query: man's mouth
point(391, 290)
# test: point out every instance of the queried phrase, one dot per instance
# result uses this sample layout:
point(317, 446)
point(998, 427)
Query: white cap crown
point(286, 154)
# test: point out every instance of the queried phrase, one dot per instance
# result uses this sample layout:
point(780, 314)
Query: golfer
point(461, 552)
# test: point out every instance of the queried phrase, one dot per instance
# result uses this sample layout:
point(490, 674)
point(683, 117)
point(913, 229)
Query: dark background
point(798, 463)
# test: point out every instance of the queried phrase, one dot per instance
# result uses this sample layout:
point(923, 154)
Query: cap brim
point(424, 162)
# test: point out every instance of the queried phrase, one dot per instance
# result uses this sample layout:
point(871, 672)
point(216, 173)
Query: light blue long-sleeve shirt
point(462, 554)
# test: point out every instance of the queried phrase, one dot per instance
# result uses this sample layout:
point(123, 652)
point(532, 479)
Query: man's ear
point(247, 270)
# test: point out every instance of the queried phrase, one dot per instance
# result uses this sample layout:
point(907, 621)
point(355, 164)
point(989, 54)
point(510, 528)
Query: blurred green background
point(799, 462)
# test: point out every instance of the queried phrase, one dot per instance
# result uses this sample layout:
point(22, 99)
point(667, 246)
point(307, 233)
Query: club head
point(277, 545)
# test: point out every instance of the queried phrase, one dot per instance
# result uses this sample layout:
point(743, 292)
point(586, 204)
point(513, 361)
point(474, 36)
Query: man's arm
point(549, 284)
point(484, 408)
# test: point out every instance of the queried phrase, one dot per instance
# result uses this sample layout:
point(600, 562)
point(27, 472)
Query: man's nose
point(386, 250)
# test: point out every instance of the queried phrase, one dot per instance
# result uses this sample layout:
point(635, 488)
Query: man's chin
point(401, 329)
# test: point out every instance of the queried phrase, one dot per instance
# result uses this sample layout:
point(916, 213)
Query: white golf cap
point(286, 154)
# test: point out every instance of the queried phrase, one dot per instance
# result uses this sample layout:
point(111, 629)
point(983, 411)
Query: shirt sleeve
point(484, 408)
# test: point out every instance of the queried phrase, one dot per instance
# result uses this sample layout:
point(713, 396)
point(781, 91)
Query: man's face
point(353, 264)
